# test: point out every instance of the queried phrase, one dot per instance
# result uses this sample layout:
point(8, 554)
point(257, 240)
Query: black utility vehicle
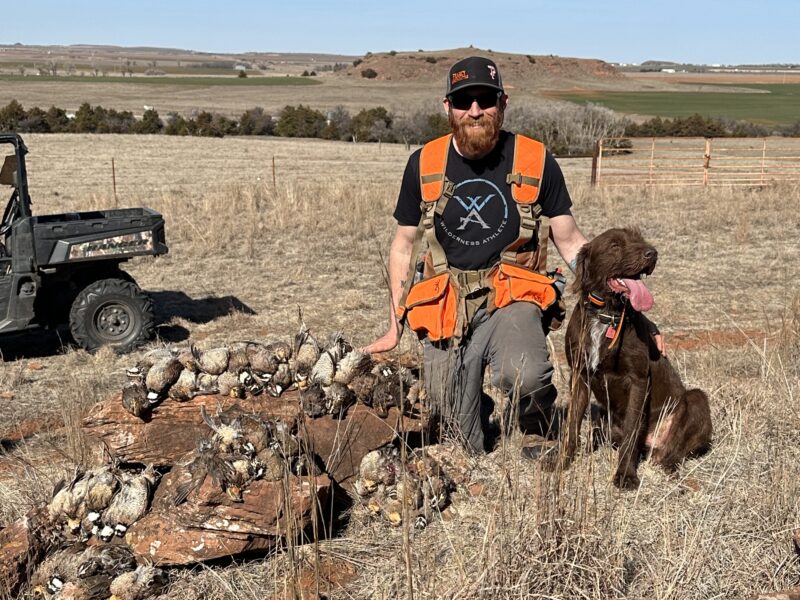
point(65, 268)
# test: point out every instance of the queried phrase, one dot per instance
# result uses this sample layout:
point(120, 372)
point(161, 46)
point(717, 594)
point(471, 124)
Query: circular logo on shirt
point(476, 214)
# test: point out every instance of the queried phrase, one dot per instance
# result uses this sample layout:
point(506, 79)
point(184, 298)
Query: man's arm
point(399, 259)
point(567, 237)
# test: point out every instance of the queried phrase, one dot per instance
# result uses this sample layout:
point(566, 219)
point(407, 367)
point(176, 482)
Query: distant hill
point(530, 71)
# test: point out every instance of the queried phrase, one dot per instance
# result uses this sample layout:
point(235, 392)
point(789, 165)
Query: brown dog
point(611, 352)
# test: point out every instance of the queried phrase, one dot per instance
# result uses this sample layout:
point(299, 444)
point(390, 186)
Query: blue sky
point(699, 31)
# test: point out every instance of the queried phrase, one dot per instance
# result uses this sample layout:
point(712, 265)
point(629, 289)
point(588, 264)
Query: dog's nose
point(651, 253)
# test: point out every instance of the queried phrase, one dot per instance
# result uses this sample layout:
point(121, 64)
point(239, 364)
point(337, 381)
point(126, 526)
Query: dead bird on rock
point(379, 467)
point(134, 398)
point(229, 472)
point(324, 370)
point(67, 501)
point(129, 503)
point(213, 361)
point(227, 431)
point(186, 387)
point(306, 352)
point(338, 399)
point(161, 376)
point(313, 401)
point(238, 361)
point(281, 380)
point(146, 581)
point(352, 364)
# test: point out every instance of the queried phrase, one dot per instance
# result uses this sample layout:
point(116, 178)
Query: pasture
point(769, 104)
point(247, 250)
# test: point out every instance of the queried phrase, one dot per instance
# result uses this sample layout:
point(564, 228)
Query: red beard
point(475, 138)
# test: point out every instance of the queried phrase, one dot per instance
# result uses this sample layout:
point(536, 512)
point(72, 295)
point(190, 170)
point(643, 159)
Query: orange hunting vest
point(437, 306)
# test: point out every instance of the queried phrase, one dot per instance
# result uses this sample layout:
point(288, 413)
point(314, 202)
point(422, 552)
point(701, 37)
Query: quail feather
point(101, 487)
point(306, 353)
point(129, 503)
point(351, 365)
point(163, 374)
point(144, 582)
point(339, 398)
point(186, 387)
point(213, 361)
point(282, 351)
point(255, 432)
point(134, 398)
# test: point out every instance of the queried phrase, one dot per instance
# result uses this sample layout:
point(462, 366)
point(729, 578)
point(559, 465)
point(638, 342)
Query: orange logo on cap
point(458, 76)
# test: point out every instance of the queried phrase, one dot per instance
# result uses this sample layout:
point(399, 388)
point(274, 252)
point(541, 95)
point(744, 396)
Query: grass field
point(770, 104)
point(231, 80)
point(726, 298)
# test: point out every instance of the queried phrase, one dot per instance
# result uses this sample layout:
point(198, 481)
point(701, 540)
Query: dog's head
point(614, 262)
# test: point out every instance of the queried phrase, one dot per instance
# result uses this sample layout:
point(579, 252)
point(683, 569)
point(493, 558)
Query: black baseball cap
point(473, 71)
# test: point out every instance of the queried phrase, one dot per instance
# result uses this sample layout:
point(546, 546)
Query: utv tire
point(111, 312)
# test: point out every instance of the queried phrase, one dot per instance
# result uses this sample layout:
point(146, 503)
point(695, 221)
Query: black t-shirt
point(481, 218)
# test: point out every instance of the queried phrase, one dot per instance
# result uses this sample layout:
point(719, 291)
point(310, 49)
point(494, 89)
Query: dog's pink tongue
point(639, 296)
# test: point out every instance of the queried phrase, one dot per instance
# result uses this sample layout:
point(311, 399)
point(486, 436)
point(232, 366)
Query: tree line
point(566, 129)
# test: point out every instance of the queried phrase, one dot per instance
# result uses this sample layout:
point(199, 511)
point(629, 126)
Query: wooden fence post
point(114, 182)
point(599, 161)
point(595, 154)
point(763, 160)
point(706, 162)
point(652, 162)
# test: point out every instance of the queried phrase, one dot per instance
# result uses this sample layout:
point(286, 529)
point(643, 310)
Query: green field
point(776, 104)
point(196, 81)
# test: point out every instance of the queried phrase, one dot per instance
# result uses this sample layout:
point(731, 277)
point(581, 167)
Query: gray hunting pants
point(512, 342)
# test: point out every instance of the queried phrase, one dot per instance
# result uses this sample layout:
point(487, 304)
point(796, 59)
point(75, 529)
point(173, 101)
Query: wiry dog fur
point(648, 405)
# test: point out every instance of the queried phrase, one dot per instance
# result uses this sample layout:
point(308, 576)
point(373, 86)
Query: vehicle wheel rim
point(113, 322)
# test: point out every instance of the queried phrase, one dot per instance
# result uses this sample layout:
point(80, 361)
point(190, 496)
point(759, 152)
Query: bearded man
point(479, 215)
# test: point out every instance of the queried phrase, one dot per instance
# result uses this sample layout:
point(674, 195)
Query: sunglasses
point(464, 100)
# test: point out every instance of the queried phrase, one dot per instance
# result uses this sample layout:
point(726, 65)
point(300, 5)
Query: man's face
point(476, 115)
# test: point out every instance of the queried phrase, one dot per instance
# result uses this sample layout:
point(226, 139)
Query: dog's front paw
point(626, 480)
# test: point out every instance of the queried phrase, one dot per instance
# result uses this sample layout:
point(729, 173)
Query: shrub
point(242, 74)
point(300, 121)
point(357, 62)
point(392, 52)
point(430, 59)
point(369, 73)
point(255, 122)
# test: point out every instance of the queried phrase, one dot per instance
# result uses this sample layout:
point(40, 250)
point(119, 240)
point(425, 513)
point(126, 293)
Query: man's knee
point(532, 379)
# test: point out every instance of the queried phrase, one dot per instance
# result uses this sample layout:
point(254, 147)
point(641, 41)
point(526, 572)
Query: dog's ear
point(582, 269)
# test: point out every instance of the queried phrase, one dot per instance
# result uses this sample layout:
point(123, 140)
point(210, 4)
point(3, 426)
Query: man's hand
point(388, 342)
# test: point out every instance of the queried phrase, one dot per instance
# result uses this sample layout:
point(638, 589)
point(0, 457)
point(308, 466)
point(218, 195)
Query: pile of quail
point(390, 488)
point(102, 502)
point(106, 571)
point(331, 377)
point(243, 447)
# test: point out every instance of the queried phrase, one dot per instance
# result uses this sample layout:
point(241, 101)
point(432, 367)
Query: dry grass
point(244, 254)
